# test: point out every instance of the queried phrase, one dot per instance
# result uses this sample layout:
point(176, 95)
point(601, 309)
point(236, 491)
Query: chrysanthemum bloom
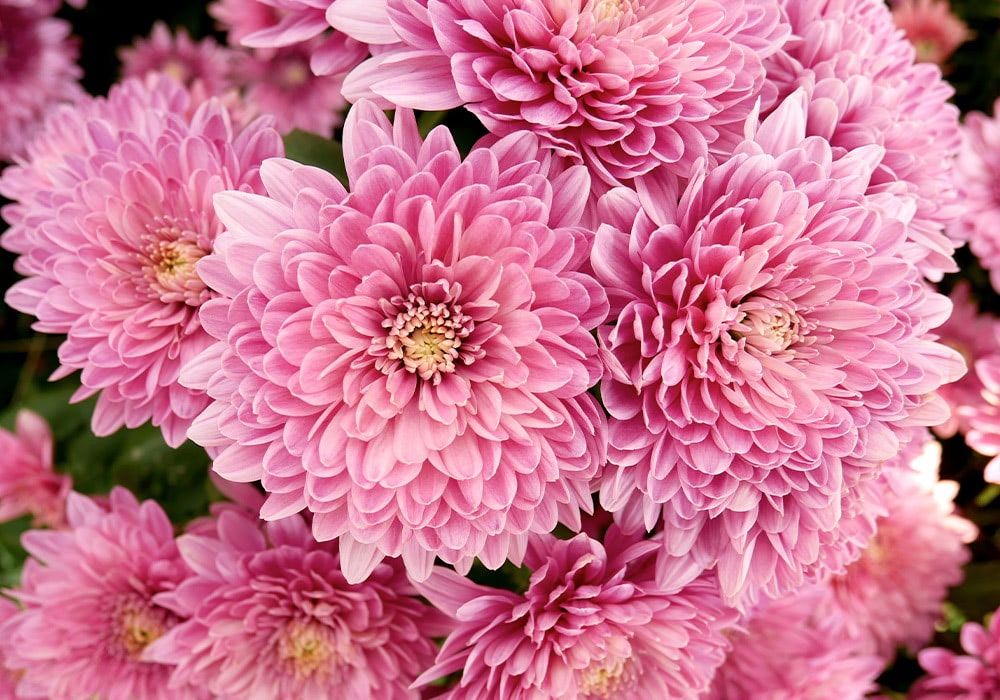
point(112, 208)
point(205, 63)
point(792, 648)
point(623, 86)
point(592, 624)
point(8, 676)
point(933, 29)
point(976, 335)
point(28, 483)
point(894, 593)
point(769, 345)
point(38, 71)
point(984, 418)
point(973, 675)
point(269, 616)
point(89, 613)
point(409, 361)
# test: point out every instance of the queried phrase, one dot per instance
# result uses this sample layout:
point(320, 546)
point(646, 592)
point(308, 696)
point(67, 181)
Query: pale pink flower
point(621, 85)
point(29, 484)
point(88, 609)
point(111, 208)
point(203, 65)
point(38, 71)
point(933, 29)
point(974, 675)
point(269, 616)
point(770, 346)
point(976, 335)
point(866, 89)
point(894, 593)
point(794, 648)
point(592, 624)
point(409, 361)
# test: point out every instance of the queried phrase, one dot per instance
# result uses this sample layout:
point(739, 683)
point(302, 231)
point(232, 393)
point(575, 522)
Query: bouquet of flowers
point(513, 349)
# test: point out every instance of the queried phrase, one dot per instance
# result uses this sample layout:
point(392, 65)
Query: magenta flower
point(624, 87)
point(268, 615)
point(112, 207)
point(592, 624)
point(973, 675)
point(38, 71)
point(410, 361)
point(29, 484)
point(88, 609)
point(894, 593)
point(795, 648)
point(770, 346)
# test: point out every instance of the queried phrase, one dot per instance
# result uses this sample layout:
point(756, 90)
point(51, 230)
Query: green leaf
point(312, 149)
point(978, 594)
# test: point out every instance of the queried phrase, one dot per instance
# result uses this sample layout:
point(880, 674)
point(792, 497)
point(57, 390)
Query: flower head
point(410, 361)
point(88, 609)
point(592, 625)
point(770, 345)
point(933, 29)
point(28, 482)
point(975, 674)
point(267, 614)
point(112, 208)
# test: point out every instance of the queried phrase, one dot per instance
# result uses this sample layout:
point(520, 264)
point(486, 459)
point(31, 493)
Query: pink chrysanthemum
point(933, 29)
point(623, 86)
point(8, 677)
point(794, 648)
point(976, 335)
point(866, 89)
point(974, 675)
point(592, 624)
point(204, 65)
point(984, 417)
point(410, 361)
point(894, 593)
point(89, 613)
point(268, 615)
point(770, 346)
point(112, 207)
point(38, 71)
point(28, 483)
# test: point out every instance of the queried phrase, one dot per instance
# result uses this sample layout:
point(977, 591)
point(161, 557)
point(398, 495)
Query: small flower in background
point(410, 361)
point(38, 71)
point(973, 675)
point(983, 435)
point(88, 610)
point(933, 29)
point(112, 207)
point(268, 615)
point(592, 625)
point(28, 483)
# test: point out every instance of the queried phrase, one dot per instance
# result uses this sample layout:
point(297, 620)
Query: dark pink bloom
point(410, 361)
point(29, 484)
point(593, 624)
point(770, 346)
point(268, 615)
point(88, 604)
point(974, 675)
point(626, 87)
point(112, 206)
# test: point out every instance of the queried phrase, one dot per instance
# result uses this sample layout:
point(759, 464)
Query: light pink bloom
point(29, 484)
point(111, 208)
point(893, 594)
point(269, 616)
point(976, 336)
point(89, 613)
point(623, 86)
point(933, 29)
point(38, 71)
point(203, 65)
point(592, 624)
point(794, 648)
point(770, 346)
point(974, 675)
point(408, 361)
point(984, 418)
